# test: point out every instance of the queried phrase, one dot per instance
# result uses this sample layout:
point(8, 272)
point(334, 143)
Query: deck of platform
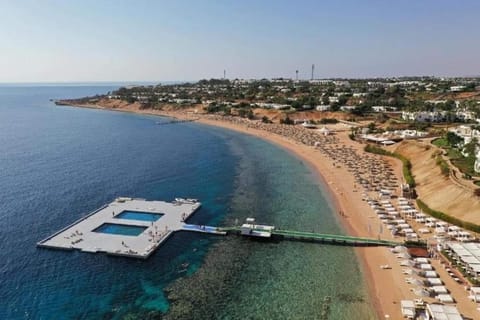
point(81, 235)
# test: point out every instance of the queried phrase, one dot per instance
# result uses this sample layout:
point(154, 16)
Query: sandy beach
point(386, 287)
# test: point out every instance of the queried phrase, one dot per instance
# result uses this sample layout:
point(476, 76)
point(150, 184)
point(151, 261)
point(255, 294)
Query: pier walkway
point(335, 239)
point(203, 229)
point(322, 237)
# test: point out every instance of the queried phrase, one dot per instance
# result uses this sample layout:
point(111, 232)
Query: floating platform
point(127, 227)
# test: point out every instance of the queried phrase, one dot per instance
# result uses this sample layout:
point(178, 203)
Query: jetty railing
point(323, 237)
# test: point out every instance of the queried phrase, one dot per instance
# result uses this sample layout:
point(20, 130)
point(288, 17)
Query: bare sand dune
point(437, 191)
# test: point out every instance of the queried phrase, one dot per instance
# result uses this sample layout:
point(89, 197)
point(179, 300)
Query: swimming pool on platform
point(139, 215)
point(124, 227)
point(121, 229)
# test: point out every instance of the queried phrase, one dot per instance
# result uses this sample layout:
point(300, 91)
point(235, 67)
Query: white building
point(322, 107)
point(347, 108)
point(333, 99)
point(424, 116)
point(466, 132)
point(457, 88)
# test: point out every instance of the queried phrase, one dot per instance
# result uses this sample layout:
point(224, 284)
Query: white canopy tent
point(426, 266)
point(433, 282)
point(439, 289)
point(445, 298)
point(430, 274)
point(408, 309)
point(442, 312)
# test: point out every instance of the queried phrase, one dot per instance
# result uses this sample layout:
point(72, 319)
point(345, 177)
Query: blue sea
point(59, 163)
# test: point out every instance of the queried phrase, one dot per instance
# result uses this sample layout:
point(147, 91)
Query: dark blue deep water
point(58, 163)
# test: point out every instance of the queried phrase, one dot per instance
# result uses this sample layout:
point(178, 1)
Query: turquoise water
point(137, 215)
point(125, 230)
point(58, 163)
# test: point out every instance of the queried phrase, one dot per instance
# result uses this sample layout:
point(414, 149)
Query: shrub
point(327, 120)
point(287, 120)
point(447, 218)
point(266, 120)
point(444, 168)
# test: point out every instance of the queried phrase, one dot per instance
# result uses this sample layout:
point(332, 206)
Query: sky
point(178, 40)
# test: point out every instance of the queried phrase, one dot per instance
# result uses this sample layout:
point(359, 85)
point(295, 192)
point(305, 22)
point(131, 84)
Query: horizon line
point(221, 78)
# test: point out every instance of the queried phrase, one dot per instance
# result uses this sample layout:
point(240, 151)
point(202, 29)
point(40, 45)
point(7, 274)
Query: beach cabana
point(463, 236)
point(439, 289)
point(475, 294)
point(421, 292)
point(445, 298)
point(453, 228)
point(404, 255)
point(399, 249)
point(408, 309)
point(406, 263)
point(441, 224)
point(433, 282)
point(442, 312)
point(421, 260)
point(324, 131)
point(411, 236)
point(424, 230)
point(426, 266)
point(430, 274)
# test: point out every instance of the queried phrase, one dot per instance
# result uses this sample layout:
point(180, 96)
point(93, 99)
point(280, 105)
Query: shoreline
point(385, 288)
point(375, 287)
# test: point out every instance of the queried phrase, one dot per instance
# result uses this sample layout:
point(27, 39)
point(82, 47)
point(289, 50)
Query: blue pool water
point(137, 215)
point(125, 230)
point(58, 163)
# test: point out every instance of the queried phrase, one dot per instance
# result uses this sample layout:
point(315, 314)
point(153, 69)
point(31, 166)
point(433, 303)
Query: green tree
point(335, 106)
point(325, 100)
point(342, 100)
point(287, 120)
point(371, 127)
point(266, 120)
point(470, 147)
point(453, 139)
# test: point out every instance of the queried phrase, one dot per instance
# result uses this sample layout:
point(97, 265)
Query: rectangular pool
point(122, 229)
point(138, 215)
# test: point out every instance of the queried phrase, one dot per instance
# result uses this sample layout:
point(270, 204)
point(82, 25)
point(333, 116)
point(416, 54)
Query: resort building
point(424, 116)
point(457, 88)
point(323, 107)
